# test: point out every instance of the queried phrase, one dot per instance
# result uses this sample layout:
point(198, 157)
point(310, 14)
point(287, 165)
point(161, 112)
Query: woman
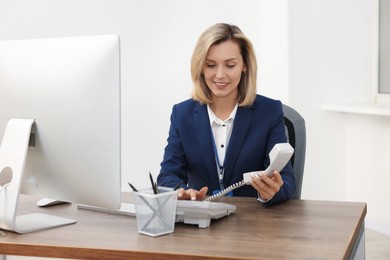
point(225, 129)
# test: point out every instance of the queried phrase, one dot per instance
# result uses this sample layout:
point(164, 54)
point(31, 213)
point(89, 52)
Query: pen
point(132, 187)
point(178, 185)
point(154, 185)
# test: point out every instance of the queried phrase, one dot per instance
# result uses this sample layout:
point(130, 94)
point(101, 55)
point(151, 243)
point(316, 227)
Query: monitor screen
point(71, 88)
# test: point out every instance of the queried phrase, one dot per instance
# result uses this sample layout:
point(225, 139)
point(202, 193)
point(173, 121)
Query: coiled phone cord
point(224, 191)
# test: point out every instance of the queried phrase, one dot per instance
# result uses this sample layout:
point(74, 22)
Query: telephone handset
point(279, 156)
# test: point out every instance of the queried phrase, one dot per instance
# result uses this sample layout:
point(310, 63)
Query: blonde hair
point(217, 34)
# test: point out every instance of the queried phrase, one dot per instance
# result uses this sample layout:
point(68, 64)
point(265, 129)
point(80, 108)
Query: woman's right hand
point(192, 194)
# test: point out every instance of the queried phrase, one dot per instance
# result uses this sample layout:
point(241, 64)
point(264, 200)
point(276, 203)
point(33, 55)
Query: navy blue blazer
point(189, 154)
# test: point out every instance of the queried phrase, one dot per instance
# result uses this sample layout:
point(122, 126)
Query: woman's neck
point(222, 108)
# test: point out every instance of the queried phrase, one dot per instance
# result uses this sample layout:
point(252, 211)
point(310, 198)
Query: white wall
point(157, 39)
point(331, 60)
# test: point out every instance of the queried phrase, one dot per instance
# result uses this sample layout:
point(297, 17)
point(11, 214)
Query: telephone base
point(201, 212)
point(202, 223)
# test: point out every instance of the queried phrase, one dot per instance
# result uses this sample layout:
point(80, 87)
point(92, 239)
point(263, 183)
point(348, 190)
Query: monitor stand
point(13, 153)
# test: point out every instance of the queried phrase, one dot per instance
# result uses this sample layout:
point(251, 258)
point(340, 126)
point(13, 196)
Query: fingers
point(191, 194)
point(180, 193)
point(202, 193)
point(267, 186)
point(183, 194)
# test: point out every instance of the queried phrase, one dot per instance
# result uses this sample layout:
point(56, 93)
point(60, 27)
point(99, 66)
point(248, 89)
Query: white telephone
point(279, 156)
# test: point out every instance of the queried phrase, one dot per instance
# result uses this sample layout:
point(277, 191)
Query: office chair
point(296, 136)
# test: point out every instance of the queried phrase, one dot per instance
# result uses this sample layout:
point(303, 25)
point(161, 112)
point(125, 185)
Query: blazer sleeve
point(174, 166)
point(277, 134)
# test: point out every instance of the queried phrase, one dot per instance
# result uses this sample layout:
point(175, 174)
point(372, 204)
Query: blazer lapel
point(241, 125)
point(203, 132)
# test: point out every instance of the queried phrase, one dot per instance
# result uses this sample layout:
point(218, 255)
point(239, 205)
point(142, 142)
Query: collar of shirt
point(214, 118)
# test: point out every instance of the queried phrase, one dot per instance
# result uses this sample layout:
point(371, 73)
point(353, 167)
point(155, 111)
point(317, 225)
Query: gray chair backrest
point(296, 135)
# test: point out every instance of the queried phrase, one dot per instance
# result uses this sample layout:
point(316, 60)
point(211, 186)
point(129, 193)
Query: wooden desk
point(296, 229)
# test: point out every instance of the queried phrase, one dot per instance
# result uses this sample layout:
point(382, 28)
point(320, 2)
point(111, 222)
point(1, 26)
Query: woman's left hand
point(266, 186)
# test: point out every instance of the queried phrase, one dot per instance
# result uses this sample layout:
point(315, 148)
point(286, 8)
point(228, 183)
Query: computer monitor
point(70, 87)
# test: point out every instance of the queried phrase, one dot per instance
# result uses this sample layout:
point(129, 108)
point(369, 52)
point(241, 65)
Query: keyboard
point(127, 209)
point(188, 212)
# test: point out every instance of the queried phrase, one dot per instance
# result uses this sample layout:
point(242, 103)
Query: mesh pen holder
point(156, 213)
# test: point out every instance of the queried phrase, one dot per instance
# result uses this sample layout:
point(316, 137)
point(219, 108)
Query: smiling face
point(223, 69)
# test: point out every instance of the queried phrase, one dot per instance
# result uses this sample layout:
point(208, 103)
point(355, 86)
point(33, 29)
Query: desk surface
point(294, 229)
